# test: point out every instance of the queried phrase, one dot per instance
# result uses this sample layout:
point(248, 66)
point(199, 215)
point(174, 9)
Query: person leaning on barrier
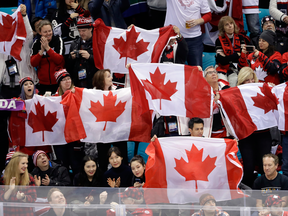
point(274, 204)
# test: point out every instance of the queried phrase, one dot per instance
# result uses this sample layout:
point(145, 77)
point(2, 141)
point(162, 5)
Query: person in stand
point(16, 174)
point(274, 206)
point(138, 165)
point(196, 127)
point(265, 61)
point(47, 55)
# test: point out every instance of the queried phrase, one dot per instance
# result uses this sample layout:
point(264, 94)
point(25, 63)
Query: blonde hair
point(12, 170)
point(60, 91)
point(222, 23)
point(244, 73)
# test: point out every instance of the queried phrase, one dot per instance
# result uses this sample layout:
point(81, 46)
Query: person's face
point(127, 201)
point(269, 167)
point(263, 45)
point(57, 198)
point(137, 168)
point(250, 79)
point(211, 75)
point(28, 89)
point(172, 41)
point(90, 168)
point(85, 33)
point(42, 161)
point(46, 31)
point(23, 164)
point(210, 206)
point(107, 80)
point(65, 83)
point(68, 3)
point(197, 130)
point(269, 25)
point(115, 160)
point(229, 27)
point(276, 210)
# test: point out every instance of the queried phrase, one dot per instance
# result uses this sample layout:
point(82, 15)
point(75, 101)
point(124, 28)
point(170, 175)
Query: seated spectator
point(196, 126)
point(228, 50)
point(265, 61)
point(119, 175)
point(209, 207)
point(274, 204)
point(47, 56)
point(57, 202)
point(271, 181)
point(211, 76)
point(81, 53)
point(48, 173)
point(132, 197)
point(281, 41)
point(137, 164)
point(16, 174)
point(109, 11)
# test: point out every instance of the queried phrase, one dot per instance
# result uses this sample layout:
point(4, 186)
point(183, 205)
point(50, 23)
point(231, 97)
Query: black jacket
point(81, 63)
point(59, 175)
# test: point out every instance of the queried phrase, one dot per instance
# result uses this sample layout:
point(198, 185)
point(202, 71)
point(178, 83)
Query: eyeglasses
point(66, 79)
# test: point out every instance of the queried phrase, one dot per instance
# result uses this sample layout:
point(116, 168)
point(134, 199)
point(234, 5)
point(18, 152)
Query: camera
point(76, 52)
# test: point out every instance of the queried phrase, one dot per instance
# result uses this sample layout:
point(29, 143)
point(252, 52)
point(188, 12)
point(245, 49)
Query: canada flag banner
point(171, 89)
point(45, 121)
point(110, 116)
point(281, 114)
point(13, 33)
point(113, 47)
point(191, 166)
point(248, 108)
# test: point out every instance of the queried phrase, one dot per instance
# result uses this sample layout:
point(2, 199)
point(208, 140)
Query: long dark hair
point(83, 179)
point(99, 80)
point(62, 9)
point(270, 51)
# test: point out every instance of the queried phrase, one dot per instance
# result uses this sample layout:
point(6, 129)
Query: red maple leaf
point(108, 112)
point(118, 75)
point(157, 89)
point(40, 122)
point(130, 48)
point(195, 168)
point(267, 102)
point(7, 29)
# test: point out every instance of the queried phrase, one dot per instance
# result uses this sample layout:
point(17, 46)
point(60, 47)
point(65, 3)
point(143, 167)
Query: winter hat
point(132, 192)
point(23, 80)
point(8, 157)
point(35, 156)
point(205, 198)
point(267, 19)
point(268, 36)
point(84, 20)
point(60, 74)
point(273, 200)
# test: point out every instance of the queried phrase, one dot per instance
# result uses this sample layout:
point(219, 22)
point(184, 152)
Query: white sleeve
point(274, 12)
point(205, 7)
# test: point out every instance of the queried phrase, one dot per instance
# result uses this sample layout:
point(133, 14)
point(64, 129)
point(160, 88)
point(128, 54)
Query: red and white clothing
point(265, 68)
point(284, 66)
point(250, 6)
point(180, 11)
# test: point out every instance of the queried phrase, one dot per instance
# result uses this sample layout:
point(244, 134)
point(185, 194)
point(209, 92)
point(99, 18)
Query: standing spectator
point(228, 50)
point(110, 11)
point(81, 53)
point(48, 173)
point(47, 55)
point(16, 174)
point(278, 10)
point(9, 79)
point(188, 16)
point(266, 61)
point(281, 41)
point(196, 127)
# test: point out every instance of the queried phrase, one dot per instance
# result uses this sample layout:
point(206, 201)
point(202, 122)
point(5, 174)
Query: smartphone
point(250, 48)
point(138, 180)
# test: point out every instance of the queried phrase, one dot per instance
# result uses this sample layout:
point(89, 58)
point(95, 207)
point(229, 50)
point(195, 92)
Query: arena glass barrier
point(86, 201)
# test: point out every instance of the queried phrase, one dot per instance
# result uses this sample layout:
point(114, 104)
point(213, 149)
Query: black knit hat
point(60, 74)
point(267, 19)
point(268, 36)
point(23, 80)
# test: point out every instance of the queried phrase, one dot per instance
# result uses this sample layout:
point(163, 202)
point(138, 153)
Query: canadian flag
point(248, 108)
point(191, 166)
point(110, 116)
point(45, 121)
point(171, 89)
point(13, 33)
point(281, 114)
point(113, 47)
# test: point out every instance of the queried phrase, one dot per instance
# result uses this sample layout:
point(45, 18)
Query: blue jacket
point(100, 9)
point(41, 7)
